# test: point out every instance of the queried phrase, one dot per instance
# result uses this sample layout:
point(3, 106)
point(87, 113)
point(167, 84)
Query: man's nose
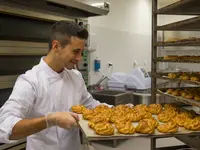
point(79, 57)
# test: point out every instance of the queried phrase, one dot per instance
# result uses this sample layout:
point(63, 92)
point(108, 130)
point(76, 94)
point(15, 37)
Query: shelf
point(185, 43)
point(177, 80)
point(192, 24)
point(176, 61)
point(180, 99)
point(182, 7)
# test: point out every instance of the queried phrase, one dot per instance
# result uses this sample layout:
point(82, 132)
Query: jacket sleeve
point(16, 107)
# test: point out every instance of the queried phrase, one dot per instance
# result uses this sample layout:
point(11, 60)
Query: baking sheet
point(91, 135)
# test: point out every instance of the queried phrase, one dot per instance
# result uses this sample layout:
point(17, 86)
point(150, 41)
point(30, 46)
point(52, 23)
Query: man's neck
point(52, 63)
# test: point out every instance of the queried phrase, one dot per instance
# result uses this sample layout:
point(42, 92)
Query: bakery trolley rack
point(181, 7)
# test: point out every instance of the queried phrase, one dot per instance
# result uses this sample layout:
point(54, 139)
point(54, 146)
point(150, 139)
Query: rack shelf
point(185, 43)
point(180, 99)
point(159, 59)
point(177, 80)
point(192, 24)
point(182, 7)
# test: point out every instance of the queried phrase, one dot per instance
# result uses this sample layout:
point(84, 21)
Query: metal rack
point(182, 7)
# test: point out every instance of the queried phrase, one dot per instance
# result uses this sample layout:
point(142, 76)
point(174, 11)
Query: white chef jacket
point(40, 91)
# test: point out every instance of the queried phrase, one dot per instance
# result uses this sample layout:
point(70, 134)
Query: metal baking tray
point(179, 98)
point(91, 135)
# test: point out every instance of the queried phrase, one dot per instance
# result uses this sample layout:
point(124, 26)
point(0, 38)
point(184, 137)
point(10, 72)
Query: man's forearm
point(27, 127)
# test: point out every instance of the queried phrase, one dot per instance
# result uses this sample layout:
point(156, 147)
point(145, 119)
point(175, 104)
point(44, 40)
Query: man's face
point(71, 53)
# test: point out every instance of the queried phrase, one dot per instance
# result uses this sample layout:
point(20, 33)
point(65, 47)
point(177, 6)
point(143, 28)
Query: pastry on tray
point(197, 98)
point(170, 127)
point(170, 91)
point(145, 115)
point(171, 57)
point(171, 107)
point(125, 127)
point(98, 118)
point(192, 124)
point(154, 108)
point(133, 117)
point(164, 117)
point(104, 128)
point(145, 127)
point(180, 119)
point(172, 75)
point(152, 121)
point(78, 109)
point(140, 107)
point(88, 114)
point(101, 108)
point(176, 93)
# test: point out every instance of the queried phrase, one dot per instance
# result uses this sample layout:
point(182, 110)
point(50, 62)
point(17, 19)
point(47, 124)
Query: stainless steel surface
point(7, 81)
point(113, 97)
point(23, 48)
point(81, 6)
point(192, 141)
point(142, 98)
point(21, 144)
point(6, 9)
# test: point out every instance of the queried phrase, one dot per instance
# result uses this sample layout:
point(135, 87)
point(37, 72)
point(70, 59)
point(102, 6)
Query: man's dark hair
point(64, 30)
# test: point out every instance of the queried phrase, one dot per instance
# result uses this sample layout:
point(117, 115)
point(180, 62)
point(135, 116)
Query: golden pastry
point(172, 75)
point(101, 108)
point(124, 108)
point(192, 124)
point(170, 91)
point(183, 94)
point(116, 117)
point(133, 117)
point(146, 115)
point(170, 57)
point(171, 107)
point(193, 78)
point(140, 107)
point(104, 128)
point(152, 121)
point(91, 124)
point(164, 117)
point(189, 96)
point(179, 119)
point(125, 128)
point(176, 93)
point(145, 127)
point(170, 127)
point(78, 109)
point(189, 113)
point(89, 114)
point(197, 98)
point(185, 77)
point(154, 108)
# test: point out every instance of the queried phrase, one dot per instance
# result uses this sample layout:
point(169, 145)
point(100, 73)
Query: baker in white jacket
point(39, 106)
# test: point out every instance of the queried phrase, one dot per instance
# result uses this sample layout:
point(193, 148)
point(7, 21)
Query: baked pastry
point(189, 113)
point(183, 94)
point(116, 117)
point(125, 128)
point(78, 109)
point(171, 57)
point(192, 124)
point(133, 117)
point(170, 127)
point(189, 96)
point(170, 91)
point(194, 78)
point(104, 128)
point(179, 119)
point(172, 40)
point(171, 107)
point(164, 117)
point(101, 108)
point(152, 121)
point(145, 127)
point(176, 93)
point(172, 75)
point(140, 107)
point(89, 114)
point(146, 115)
point(154, 108)
point(197, 98)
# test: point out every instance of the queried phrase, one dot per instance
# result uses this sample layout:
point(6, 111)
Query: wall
point(121, 37)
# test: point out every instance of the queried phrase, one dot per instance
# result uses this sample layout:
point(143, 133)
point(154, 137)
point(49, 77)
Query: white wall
point(121, 37)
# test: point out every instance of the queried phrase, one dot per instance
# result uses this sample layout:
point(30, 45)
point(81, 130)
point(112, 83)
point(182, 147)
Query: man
point(39, 106)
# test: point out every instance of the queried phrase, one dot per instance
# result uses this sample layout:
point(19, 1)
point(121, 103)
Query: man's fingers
point(76, 117)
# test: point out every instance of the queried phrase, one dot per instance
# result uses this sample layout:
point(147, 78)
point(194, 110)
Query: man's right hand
point(64, 120)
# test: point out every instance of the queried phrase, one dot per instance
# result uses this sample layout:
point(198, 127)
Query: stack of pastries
point(193, 76)
point(165, 119)
point(188, 93)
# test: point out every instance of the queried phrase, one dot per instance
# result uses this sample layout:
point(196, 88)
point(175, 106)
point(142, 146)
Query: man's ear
point(55, 45)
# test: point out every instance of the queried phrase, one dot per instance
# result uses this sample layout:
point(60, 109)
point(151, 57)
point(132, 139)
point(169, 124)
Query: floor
point(135, 144)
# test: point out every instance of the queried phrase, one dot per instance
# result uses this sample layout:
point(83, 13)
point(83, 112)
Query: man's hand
point(64, 120)
point(129, 105)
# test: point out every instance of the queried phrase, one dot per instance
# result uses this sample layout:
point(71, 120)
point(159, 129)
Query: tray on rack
point(161, 59)
point(91, 135)
point(165, 77)
point(193, 102)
